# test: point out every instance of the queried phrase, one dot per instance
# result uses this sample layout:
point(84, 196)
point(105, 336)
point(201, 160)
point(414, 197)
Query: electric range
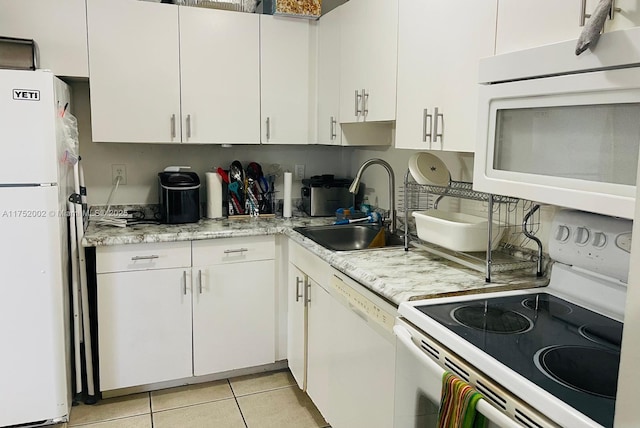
point(554, 349)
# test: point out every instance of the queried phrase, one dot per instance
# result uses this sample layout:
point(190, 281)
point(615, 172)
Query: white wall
point(144, 161)
point(375, 177)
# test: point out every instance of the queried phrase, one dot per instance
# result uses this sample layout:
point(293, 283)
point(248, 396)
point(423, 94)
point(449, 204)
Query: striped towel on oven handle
point(458, 404)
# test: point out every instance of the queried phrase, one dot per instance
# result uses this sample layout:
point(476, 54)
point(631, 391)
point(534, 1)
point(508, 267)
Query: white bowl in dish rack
point(456, 231)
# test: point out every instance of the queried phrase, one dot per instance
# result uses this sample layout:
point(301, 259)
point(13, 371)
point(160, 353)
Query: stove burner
point(582, 368)
point(491, 319)
point(606, 335)
point(542, 303)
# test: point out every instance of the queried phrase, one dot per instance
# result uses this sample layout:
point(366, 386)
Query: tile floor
point(263, 400)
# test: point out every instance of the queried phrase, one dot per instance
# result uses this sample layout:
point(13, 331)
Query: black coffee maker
point(179, 194)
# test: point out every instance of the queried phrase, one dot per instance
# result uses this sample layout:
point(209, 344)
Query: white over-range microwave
point(562, 129)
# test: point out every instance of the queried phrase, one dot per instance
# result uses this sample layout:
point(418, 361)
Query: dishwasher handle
point(483, 406)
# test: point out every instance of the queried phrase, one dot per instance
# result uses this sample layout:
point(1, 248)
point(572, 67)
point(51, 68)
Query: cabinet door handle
point(184, 282)
point(584, 15)
point(134, 258)
point(188, 120)
point(357, 99)
point(437, 134)
point(613, 9)
point(309, 292)
point(427, 131)
point(365, 99)
point(237, 250)
point(173, 126)
point(199, 281)
point(332, 128)
point(298, 284)
point(268, 129)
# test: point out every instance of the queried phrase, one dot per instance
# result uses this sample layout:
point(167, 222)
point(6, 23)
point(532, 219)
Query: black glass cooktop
point(571, 352)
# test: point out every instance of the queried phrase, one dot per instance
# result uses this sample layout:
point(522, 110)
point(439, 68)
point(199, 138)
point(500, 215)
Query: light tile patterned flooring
point(266, 400)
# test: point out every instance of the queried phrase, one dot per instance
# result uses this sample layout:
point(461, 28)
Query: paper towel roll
point(286, 208)
point(214, 195)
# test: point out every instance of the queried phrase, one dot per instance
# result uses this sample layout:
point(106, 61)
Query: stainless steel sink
point(348, 237)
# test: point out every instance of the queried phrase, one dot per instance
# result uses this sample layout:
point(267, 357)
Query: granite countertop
point(393, 273)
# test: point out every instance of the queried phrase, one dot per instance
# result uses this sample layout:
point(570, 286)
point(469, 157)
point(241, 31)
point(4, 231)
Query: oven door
point(567, 140)
point(419, 386)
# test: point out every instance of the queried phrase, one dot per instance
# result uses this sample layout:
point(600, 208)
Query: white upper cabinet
point(188, 75)
point(287, 55)
point(59, 28)
point(438, 75)
point(220, 76)
point(524, 24)
point(134, 71)
point(368, 60)
point(627, 17)
point(328, 78)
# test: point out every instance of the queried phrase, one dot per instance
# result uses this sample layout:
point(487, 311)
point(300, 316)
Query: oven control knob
point(599, 240)
point(582, 235)
point(623, 241)
point(562, 233)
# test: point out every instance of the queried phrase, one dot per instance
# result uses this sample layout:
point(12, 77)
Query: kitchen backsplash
point(144, 161)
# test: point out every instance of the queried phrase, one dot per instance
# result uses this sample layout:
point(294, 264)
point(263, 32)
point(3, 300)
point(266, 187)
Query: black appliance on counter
point(322, 195)
point(179, 196)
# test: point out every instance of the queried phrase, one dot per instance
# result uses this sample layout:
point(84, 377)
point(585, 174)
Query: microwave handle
point(483, 406)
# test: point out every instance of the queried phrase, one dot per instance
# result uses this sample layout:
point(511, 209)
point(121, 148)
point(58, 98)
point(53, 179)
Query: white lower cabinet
point(233, 308)
point(144, 327)
point(160, 319)
point(296, 323)
point(319, 346)
point(341, 345)
point(309, 325)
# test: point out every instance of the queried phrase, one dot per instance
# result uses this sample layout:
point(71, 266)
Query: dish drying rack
point(520, 217)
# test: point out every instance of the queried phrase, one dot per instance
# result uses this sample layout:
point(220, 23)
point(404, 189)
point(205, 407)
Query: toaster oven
point(322, 195)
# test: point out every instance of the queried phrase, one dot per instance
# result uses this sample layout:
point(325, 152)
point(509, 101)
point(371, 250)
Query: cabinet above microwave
point(570, 140)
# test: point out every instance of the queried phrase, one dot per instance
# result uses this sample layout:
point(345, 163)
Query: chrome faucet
point(392, 184)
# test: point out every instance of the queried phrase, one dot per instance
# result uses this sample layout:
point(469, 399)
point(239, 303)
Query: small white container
point(456, 231)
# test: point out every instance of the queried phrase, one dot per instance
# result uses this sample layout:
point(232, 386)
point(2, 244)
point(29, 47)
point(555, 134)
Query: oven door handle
point(483, 406)
point(405, 338)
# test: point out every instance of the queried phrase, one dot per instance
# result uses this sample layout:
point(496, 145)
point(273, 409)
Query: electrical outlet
point(119, 170)
point(299, 174)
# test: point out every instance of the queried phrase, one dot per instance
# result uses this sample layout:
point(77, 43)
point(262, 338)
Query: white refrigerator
point(34, 299)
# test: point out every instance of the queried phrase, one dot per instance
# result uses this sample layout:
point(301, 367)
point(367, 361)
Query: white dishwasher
point(363, 368)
